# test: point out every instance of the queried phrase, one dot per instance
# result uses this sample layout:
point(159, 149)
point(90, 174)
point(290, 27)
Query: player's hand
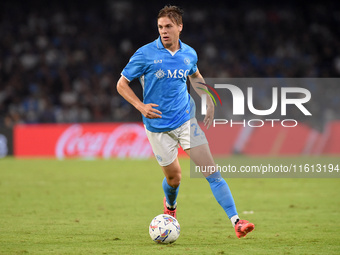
point(150, 112)
point(209, 117)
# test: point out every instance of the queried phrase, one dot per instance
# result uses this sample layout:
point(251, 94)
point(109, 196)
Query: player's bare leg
point(173, 173)
point(201, 156)
point(171, 184)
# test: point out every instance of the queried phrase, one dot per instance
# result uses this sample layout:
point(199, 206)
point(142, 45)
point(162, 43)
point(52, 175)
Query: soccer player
point(162, 67)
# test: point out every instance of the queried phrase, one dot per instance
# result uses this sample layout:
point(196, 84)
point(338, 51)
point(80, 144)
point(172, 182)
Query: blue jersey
point(163, 76)
point(192, 108)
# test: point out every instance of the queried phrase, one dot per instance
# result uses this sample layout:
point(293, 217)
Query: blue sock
point(222, 193)
point(170, 193)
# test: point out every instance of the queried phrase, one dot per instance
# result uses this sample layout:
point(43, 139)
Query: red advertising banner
point(82, 140)
point(129, 140)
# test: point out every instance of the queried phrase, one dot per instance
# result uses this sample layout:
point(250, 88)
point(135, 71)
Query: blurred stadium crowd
point(60, 61)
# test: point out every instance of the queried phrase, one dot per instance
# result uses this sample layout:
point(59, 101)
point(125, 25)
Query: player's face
point(169, 32)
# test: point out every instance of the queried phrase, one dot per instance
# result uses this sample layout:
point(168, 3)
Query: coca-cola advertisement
point(82, 140)
point(129, 140)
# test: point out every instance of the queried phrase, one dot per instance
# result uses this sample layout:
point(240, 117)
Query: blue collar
point(161, 46)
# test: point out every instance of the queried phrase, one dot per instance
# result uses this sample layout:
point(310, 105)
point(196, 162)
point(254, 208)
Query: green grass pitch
point(105, 207)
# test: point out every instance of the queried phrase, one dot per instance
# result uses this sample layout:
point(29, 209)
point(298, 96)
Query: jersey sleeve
point(194, 68)
point(136, 66)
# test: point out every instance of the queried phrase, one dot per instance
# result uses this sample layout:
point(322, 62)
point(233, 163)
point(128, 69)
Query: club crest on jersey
point(159, 74)
point(186, 61)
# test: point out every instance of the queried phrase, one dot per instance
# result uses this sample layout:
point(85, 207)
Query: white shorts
point(165, 144)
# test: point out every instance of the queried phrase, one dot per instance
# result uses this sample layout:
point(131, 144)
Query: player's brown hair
point(172, 12)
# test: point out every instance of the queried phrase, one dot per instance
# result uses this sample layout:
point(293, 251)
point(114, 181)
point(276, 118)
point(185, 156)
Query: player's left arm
point(196, 80)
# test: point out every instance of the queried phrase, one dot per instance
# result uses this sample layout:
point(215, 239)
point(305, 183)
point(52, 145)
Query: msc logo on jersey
point(177, 73)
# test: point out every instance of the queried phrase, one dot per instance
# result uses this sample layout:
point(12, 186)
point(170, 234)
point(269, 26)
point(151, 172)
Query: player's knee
point(174, 181)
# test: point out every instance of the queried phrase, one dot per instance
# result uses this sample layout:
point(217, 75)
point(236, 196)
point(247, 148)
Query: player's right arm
point(127, 93)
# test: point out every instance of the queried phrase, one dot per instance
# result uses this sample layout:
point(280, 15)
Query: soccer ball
point(164, 229)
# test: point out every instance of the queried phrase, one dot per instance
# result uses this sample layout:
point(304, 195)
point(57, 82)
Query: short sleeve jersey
point(163, 76)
